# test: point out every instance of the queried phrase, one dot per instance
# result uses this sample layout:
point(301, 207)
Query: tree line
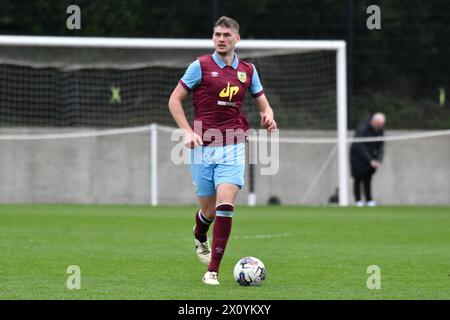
point(403, 68)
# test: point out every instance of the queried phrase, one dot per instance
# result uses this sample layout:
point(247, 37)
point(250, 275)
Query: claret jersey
point(218, 95)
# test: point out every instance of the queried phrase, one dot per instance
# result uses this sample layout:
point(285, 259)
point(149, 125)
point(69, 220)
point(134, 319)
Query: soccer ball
point(249, 271)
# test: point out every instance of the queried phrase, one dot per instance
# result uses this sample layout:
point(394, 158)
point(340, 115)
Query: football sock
point(202, 224)
point(221, 233)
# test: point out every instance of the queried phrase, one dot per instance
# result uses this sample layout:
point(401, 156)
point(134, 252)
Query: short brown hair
point(227, 22)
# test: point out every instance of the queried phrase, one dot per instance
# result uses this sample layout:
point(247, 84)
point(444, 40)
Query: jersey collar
point(218, 60)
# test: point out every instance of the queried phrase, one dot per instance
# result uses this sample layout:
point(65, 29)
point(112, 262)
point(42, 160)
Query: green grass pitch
point(141, 252)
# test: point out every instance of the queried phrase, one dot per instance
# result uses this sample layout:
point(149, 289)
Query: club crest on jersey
point(242, 76)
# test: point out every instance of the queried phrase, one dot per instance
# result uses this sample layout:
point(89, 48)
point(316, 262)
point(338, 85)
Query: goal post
point(252, 48)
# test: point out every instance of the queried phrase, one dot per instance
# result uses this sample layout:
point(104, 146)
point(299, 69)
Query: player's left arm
point(265, 111)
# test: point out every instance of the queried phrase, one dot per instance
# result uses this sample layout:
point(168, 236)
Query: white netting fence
point(88, 86)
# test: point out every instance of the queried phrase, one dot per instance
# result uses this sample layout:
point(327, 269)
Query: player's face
point(225, 39)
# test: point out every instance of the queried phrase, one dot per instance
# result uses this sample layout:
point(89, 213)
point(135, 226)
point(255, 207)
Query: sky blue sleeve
point(256, 86)
point(193, 75)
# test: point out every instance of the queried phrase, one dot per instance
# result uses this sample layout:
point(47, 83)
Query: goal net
point(85, 120)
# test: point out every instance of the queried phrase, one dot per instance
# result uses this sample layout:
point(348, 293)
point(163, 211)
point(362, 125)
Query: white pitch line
point(263, 236)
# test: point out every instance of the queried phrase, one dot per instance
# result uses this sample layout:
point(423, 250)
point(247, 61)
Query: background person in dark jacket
point(366, 157)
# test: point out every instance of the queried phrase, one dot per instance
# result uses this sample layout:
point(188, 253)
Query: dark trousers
point(366, 181)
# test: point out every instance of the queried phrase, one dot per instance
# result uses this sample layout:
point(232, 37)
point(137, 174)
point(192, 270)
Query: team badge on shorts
point(242, 76)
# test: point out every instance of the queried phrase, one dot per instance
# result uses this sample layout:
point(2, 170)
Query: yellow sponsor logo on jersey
point(229, 92)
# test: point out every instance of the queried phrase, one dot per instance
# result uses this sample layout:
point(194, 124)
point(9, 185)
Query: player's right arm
point(191, 78)
point(191, 139)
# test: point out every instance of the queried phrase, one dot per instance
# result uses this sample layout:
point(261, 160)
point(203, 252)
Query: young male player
point(218, 82)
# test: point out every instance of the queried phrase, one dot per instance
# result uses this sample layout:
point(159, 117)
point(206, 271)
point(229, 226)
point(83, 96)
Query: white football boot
point(203, 250)
point(210, 277)
point(359, 203)
point(371, 203)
